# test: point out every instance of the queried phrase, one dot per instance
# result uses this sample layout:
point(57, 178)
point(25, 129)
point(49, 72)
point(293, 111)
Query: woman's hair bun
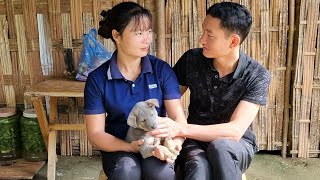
point(104, 29)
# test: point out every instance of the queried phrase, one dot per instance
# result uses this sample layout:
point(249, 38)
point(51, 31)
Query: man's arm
point(241, 119)
point(234, 130)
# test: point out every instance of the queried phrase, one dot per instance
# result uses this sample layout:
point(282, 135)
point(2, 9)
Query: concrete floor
point(263, 167)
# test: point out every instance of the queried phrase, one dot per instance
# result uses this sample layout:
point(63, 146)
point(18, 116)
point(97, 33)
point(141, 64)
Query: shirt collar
point(242, 64)
point(113, 71)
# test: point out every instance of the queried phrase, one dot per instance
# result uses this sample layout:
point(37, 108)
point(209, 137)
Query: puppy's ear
point(132, 118)
point(152, 102)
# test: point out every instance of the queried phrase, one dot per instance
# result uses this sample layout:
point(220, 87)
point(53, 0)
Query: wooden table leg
point(49, 136)
point(51, 171)
point(42, 118)
point(53, 115)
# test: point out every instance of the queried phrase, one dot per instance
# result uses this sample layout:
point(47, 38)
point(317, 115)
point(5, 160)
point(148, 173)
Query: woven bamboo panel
point(35, 34)
point(267, 43)
point(306, 114)
point(183, 30)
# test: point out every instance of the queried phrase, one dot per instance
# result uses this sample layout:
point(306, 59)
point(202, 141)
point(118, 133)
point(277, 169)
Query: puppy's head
point(144, 115)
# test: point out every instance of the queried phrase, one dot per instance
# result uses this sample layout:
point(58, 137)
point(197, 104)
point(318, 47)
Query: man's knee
point(219, 148)
point(219, 145)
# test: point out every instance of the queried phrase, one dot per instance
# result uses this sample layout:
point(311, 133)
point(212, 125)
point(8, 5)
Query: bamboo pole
point(11, 20)
point(288, 79)
point(161, 48)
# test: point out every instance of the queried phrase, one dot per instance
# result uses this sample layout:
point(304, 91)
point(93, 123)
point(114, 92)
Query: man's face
point(215, 41)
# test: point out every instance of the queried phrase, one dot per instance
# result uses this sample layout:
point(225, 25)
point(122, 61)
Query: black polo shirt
point(213, 99)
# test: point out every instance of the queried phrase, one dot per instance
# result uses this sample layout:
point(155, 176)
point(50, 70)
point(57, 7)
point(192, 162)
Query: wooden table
point(53, 89)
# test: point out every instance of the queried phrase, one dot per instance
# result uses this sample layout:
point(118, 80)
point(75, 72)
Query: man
point(227, 87)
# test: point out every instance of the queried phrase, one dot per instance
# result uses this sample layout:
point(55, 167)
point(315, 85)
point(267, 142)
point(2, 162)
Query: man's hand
point(159, 154)
point(166, 128)
point(178, 141)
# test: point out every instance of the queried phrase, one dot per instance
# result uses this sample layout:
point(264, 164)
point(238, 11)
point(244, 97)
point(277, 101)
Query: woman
point(130, 76)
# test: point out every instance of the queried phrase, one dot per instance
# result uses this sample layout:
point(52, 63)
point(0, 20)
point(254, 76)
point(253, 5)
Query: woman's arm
point(175, 112)
point(99, 138)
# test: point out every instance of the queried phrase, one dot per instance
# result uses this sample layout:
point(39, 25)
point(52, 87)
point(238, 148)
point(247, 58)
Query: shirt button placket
point(133, 88)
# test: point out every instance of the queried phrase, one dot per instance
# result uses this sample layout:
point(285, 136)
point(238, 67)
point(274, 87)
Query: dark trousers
point(131, 166)
point(219, 160)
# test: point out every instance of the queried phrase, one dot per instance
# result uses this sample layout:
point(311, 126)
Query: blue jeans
point(131, 166)
point(219, 160)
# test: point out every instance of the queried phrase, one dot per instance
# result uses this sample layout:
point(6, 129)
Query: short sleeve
point(93, 96)
point(257, 91)
point(180, 69)
point(170, 85)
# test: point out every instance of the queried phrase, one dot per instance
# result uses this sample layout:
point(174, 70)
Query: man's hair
point(234, 18)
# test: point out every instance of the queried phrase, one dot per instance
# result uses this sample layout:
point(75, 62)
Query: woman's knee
point(153, 168)
point(124, 167)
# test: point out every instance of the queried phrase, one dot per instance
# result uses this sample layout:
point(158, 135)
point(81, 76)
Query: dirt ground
point(274, 167)
point(264, 167)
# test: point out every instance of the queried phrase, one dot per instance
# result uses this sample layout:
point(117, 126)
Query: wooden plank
point(53, 115)
point(73, 127)
point(58, 88)
point(51, 171)
point(19, 169)
point(42, 118)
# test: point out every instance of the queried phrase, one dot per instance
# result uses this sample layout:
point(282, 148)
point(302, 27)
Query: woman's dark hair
point(234, 18)
point(121, 15)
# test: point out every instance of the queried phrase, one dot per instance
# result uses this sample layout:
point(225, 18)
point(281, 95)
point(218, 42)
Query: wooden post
point(160, 40)
point(42, 118)
point(52, 156)
point(288, 80)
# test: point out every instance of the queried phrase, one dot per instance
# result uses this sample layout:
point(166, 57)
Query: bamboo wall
point(35, 34)
point(306, 89)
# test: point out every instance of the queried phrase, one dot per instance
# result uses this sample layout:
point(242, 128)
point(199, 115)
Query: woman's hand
point(166, 128)
point(135, 145)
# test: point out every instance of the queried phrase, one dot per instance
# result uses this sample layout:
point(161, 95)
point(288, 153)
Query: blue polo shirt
point(107, 91)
